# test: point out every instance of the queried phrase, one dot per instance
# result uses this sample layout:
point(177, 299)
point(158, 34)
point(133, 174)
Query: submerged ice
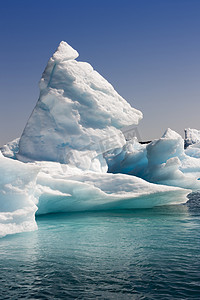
point(74, 156)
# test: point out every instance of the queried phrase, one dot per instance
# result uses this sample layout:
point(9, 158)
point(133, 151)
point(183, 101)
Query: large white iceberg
point(72, 138)
point(77, 117)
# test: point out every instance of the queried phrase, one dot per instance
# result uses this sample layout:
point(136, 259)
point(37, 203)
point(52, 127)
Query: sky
point(149, 50)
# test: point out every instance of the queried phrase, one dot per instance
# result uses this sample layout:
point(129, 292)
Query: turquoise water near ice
point(131, 254)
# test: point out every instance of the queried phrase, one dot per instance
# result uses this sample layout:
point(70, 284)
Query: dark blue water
point(141, 254)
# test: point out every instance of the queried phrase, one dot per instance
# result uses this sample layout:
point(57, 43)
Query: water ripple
point(143, 254)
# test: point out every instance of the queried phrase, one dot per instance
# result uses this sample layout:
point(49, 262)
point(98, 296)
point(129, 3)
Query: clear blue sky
point(149, 50)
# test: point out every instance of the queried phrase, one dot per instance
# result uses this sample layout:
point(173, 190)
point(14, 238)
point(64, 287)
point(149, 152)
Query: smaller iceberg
point(163, 161)
point(168, 164)
point(192, 137)
point(192, 142)
point(11, 149)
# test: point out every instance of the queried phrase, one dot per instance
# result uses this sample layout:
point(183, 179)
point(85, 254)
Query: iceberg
point(163, 161)
point(61, 188)
point(11, 149)
point(73, 155)
point(168, 163)
point(192, 142)
point(192, 136)
point(77, 117)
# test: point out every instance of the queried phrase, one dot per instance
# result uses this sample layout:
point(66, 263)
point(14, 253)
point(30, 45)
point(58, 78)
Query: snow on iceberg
point(78, 115)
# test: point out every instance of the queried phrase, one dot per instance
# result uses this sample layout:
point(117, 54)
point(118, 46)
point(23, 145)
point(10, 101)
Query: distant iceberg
point(73, 155)
point(192, 142)
point(11, 149)
point(192, 137)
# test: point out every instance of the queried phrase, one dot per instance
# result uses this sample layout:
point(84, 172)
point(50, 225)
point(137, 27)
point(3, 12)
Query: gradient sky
point(149, 50)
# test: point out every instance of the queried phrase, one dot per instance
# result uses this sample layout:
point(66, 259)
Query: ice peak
point(170, 134)
point(65, 52)
point(77, 109)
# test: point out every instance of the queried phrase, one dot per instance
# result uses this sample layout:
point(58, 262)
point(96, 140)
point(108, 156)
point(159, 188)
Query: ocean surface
point(131, 254)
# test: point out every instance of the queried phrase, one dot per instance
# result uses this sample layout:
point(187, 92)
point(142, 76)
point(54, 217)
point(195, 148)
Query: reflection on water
point(132, 254)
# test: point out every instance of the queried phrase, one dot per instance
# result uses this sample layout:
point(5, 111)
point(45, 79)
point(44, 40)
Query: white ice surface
point(192, 136)
point(10, 149)
point(17, 202)
point(61, 188)
point(51, 187)
point(163, 161)
point(192, 141)
point(193, 151)
point(168, 163)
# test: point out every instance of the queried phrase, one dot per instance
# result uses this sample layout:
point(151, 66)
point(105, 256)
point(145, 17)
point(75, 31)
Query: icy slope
point(77, 117)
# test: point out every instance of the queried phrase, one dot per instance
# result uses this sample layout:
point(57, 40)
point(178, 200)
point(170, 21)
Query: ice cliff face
point(77, 117)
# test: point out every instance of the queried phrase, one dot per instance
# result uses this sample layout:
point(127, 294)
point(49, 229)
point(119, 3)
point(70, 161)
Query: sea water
point(130, 254)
